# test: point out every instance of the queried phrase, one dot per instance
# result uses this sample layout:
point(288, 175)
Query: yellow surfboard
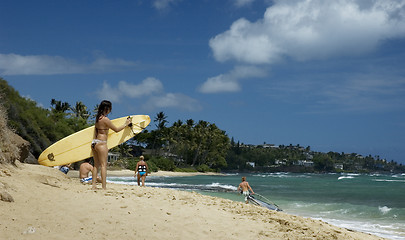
point(77, 146)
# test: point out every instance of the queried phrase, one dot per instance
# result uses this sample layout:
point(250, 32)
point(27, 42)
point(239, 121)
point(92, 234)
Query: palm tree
point(125, 149)
point(58, 106)
point(80, 110)
point(161, 120)
point(94, 112)
point(159, 135)
point(190, 122)
point(178, 123)
point(200, 136)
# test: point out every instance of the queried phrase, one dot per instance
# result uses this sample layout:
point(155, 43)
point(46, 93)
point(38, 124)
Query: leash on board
point(133, 124)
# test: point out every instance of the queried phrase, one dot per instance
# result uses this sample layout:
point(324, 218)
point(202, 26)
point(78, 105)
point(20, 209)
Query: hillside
point(12, 146)
point(39, 126)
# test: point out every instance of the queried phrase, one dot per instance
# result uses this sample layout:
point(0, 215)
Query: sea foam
point(384, 210)
point(345, 177)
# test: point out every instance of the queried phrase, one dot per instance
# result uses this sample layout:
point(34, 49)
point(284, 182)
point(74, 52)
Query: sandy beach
point(48, 204)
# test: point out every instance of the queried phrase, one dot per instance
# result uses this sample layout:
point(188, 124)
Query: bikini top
point(142, 168)
point(97, 129)
point(104, 129)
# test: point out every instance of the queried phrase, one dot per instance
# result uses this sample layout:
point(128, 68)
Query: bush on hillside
point(9, 151)
point(162, 163)
point(204, 168)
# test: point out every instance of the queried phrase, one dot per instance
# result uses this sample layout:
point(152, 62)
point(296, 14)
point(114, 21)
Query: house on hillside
point(304, 163)
point(112, 157)
point(252, 164)
point(281, 162)
point(338, 166)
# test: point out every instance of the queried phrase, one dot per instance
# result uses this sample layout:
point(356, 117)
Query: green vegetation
point(271, 158)
point(40, 126)
point(189, 144)
point(9, 152)
point(184, 146)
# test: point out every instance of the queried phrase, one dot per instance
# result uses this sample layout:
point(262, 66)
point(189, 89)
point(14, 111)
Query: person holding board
point(99, 143)
point(245, 187)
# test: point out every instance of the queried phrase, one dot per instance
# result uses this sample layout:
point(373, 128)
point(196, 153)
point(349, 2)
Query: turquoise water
point(372, 203)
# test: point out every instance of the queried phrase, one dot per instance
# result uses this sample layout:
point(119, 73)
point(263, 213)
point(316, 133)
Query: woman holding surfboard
point(99, 143)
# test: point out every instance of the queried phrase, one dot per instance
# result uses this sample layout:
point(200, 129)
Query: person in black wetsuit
point(141, 171)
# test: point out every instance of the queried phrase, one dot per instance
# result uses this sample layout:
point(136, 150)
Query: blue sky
point(325, 74)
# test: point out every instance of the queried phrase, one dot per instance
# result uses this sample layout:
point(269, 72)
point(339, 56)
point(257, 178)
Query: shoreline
point(130, 173)
point(50, 205)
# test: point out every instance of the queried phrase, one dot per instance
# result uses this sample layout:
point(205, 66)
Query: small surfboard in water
point(263, 202)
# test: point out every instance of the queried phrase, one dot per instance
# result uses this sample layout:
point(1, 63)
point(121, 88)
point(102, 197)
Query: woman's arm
point(115, 128)
point(136, 169)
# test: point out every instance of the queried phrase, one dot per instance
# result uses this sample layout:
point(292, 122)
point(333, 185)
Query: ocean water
point(371, 203)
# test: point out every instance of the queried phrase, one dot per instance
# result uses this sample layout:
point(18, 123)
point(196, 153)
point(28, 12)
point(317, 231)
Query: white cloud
point(371, 92)
point(14, 64)
point(230, 82)
point(173, 100)
point(220, 83)
point(110, 93)
point(163, 4)
point(366, 93)
point(242, 3)
point(147, 87)
point(152, 92)
point(311, 29)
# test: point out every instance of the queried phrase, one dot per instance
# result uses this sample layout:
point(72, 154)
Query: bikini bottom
point(95, 141)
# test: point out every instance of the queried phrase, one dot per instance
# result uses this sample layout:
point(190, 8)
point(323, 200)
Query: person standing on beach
point(99, 143)
point(142, 170)
point(245, 189)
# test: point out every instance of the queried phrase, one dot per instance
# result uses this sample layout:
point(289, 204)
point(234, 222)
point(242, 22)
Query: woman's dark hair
point(102, 108)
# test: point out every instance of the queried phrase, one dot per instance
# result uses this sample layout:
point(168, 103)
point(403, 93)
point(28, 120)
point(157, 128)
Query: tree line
point(201, 145)
point(196, 145)
point(302, 159)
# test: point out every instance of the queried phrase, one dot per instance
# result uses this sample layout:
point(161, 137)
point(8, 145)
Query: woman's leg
point(143, 180)
point(102, 152)
point(94, 172)
point(139, 178)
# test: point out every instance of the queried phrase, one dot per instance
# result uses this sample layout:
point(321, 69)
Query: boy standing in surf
point(99, 143)
point(245, 189)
